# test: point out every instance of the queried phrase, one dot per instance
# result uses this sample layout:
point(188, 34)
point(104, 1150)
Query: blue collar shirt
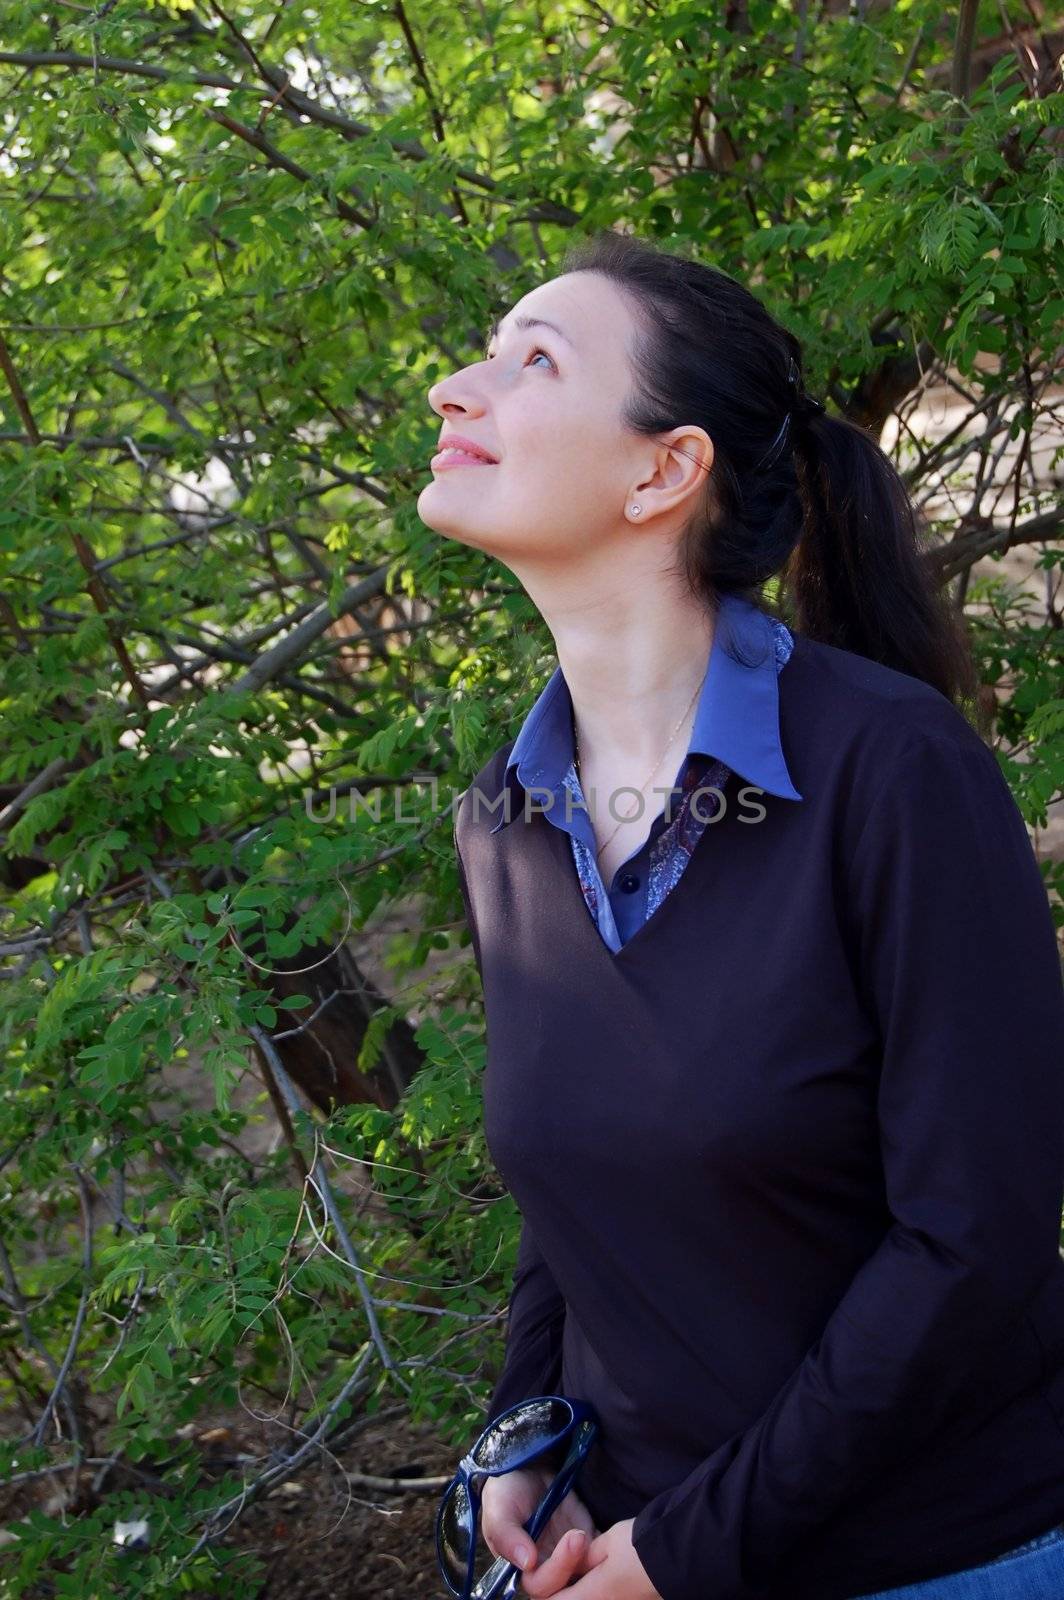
point(735, 730)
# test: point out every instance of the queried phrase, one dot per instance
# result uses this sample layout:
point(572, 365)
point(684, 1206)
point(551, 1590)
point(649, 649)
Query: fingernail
point(523, 1555)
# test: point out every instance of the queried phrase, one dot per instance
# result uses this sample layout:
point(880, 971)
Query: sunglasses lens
point(456, 1535)
point(453, 1539)
point(531, 1428)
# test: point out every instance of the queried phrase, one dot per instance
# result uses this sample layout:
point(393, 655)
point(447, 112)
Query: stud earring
point(636, 510)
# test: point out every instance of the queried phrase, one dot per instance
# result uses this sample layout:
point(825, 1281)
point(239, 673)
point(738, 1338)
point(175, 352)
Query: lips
point(456, 451)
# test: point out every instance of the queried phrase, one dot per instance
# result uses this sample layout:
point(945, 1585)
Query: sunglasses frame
point(499, 1581)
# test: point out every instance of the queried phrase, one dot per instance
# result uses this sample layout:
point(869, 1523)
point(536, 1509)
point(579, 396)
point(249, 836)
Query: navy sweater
point(790, 1162)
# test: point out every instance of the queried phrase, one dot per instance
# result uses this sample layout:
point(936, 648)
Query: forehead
point(497, 329)
point(571, 305)
point(585, 309)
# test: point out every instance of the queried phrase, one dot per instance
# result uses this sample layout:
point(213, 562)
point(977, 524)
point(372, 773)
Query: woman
point(776, 1052)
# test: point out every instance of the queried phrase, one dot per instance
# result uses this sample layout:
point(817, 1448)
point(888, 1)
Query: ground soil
point(323, 1535)
point(322, 1545)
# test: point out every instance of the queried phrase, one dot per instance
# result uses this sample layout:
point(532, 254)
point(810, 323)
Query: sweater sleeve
point(536, 1315)
point(533, 1361)
point(955, 955)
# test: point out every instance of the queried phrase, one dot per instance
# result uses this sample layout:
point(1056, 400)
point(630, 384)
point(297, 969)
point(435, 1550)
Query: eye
point(536, 350)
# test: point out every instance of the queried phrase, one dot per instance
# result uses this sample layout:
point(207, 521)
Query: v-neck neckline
point(560, 846)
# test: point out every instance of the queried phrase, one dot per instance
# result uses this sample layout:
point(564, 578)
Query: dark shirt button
point(629, 882)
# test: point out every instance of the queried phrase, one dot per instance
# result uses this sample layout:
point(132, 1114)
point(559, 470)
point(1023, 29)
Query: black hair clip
point(804, 403)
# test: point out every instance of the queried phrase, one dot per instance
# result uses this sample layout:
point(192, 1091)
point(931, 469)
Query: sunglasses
point(518, 1436)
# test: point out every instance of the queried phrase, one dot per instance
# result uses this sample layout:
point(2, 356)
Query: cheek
point(560, 486)
point(568, 447)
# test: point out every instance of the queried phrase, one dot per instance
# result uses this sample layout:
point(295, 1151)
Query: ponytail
point(857, 577)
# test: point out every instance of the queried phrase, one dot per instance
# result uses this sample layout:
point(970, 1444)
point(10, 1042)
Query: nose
point(455, 393)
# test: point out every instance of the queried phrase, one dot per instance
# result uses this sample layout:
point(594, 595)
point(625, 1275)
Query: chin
point(453, 530)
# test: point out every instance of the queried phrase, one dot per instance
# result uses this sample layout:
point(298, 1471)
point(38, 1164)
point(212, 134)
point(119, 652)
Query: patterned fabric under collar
point(665, 854)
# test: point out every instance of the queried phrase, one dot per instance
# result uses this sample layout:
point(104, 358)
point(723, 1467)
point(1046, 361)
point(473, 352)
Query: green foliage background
point(237, 245)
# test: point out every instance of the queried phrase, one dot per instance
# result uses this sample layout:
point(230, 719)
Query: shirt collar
point(736, 720)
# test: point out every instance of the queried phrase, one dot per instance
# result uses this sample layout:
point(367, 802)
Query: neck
point(631, 667)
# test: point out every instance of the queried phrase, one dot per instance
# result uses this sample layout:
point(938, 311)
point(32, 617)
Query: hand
point(606, 1569)
point(507, 1503)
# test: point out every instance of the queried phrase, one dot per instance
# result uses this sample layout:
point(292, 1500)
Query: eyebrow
point(527, 322)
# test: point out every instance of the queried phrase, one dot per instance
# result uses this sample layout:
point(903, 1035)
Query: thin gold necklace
point(653, 769)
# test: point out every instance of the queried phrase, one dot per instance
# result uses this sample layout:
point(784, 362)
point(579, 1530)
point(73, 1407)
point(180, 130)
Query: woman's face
point(546, 403)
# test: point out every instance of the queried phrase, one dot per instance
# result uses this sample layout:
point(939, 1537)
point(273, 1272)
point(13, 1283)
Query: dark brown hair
point(830, 514)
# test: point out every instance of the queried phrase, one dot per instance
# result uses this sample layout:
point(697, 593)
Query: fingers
point(507, 1504)
point(505, 1507)
point(513, 1542)
point(567, 1518)
point(548, 1577)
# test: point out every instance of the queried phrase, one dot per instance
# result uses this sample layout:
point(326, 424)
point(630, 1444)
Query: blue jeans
point(1032, 1571)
